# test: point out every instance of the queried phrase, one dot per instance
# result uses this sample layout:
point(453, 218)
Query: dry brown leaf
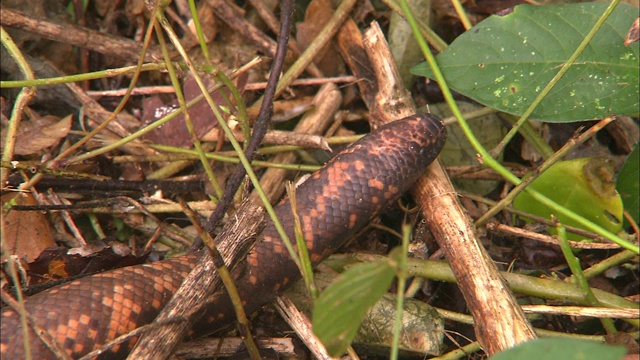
point(175, 133)
point(319, 12)
point(36, 135)
point(633, 34)
point(26, 233)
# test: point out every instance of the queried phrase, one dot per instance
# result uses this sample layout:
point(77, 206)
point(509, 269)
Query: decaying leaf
point(40, 134)
point(26, 233)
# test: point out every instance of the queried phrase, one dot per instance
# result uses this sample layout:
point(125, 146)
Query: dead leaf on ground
point(34, 136)
point(57, 263)
point(26, 233)
point(318, 14)
point(175, 132)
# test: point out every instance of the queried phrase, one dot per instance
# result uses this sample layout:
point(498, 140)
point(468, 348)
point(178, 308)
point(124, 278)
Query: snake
point(332, 204)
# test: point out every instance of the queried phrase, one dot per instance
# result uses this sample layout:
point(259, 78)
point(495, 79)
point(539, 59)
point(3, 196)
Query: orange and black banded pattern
point(332, 204)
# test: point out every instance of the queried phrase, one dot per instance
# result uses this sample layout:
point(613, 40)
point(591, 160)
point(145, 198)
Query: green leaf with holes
point(340, 309)
point(505, 61)
point(584, 186)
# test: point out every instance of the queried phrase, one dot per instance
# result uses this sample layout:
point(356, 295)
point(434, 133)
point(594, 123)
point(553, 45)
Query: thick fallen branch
point(500, 323)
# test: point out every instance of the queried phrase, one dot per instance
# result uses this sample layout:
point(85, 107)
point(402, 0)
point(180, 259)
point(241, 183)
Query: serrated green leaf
point(583, 186)
point(340, 309)
point(505, 61)
point(627, 184)
point(561, 349)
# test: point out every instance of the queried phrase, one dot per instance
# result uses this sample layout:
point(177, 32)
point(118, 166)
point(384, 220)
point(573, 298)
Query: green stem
point(201, 38)
point(229, 159)
point(555, 157)
point(162, 21)
point(578, 275)
point(485, 157)
point(563, 70)
point(402, 280)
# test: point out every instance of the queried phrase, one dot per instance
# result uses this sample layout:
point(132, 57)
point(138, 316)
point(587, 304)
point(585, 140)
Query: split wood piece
point(81, 37)
point(233, 241)
point(500, 323)
point(278, 137)
point(349, 41)
point(301, 324)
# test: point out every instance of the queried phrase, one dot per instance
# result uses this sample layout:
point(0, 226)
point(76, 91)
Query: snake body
point(333, 203)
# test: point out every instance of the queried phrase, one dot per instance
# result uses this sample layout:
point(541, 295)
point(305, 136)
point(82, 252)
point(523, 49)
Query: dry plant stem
point(227, 280)
point(307, 82)
point(267, 15)
point(54, 163)
point(161, 89)
point(182, 154)
point(99, 115)
point(325, 35)
point(461, 352)
point(281, 137)
point(634, 226)
point(162, 21)
point(238, 23)
point(597, 312)
point(149, 346)
point(468, 319)
point(233, 241)
point(392, 100)
point(501, 322)
point(229, 346)
point(124, 49)
point(177, 165)
point(301, 324)
point(518, 232)
point(261, 124)
point(199, 206)
point(164, 227)
point(147, 128)
point(54, 199)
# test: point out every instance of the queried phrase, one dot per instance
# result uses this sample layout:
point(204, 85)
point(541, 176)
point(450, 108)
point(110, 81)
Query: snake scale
point(337, 200)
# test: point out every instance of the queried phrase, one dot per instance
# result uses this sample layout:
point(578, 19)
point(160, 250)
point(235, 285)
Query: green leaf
point(340, 309)
point(561, 349)
point(403, 44)
point(505, 61)
point(584, 186)
point(627, 184)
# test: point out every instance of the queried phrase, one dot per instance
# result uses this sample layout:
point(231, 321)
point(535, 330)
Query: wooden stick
point(500, 323)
